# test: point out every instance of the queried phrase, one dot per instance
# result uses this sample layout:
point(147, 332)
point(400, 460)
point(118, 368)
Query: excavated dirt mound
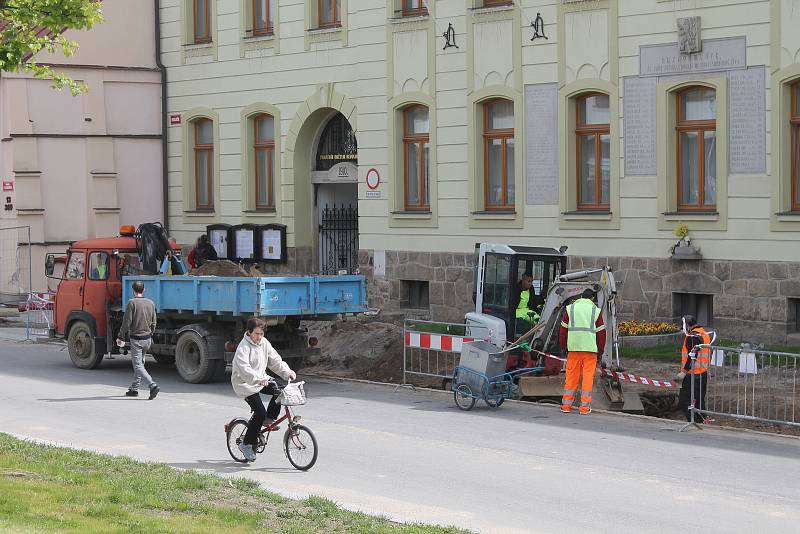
point(222, 268)
point(358, 348)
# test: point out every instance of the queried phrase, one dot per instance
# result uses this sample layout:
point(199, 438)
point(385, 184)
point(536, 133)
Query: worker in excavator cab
point(526, 315)
point(584, 336)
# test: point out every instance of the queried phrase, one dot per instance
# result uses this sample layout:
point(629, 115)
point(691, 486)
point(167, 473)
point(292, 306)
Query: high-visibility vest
point(581, 330)
point(522, 307)
point(703, 354)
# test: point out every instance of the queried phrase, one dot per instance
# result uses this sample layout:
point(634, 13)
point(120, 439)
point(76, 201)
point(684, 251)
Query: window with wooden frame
point(264, 158)
point(496, 3)
point(202, 21)
point(263, 16)
point(329, 12)
point(794, 121)
point(203, 164)
point(414, 8)
point(592, 151)
point(696, 148)
point(498, 154)
point(416, 158)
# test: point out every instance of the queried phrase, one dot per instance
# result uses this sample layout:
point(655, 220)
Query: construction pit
point(371, 348)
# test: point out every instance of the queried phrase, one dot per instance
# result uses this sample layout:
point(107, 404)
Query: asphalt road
point(413, 456)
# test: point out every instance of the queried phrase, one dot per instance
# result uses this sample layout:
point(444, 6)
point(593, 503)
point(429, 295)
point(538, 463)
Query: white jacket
point(250, 365)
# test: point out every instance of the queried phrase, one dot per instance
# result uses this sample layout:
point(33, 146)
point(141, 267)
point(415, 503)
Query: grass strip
point(54, 489)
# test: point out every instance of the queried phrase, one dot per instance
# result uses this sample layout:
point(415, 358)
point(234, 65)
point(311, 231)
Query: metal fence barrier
point(433, 349)
point(40, 314)
point(750, 384)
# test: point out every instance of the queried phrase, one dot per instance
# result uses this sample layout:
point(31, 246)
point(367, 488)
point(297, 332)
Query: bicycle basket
point(293, 394)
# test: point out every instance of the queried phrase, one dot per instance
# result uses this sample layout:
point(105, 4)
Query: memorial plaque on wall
point(639, 118)
point(541, 140)
point(747, 128)
point(717, 55)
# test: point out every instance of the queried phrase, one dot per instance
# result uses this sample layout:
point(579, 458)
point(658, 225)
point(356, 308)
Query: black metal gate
point(338, 235)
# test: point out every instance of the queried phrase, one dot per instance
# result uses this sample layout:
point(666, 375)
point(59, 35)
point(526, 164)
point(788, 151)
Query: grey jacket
point(140, 318)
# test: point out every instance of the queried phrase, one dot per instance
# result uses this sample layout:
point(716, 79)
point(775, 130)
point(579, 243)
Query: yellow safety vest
point(522, 307)
point(581, 329)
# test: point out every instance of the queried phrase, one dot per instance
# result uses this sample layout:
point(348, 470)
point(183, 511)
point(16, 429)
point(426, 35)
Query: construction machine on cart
point(498, 270)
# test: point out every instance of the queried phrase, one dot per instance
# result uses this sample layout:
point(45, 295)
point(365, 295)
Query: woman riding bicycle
point(249, 379)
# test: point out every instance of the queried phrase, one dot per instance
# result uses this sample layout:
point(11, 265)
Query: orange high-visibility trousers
point(580, 371)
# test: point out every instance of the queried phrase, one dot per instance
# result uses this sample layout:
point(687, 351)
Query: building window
point(495, 3)
point(416, 161)
point(498, 154)
point(263, 16)
point(699, 305)
point(203, 164)
point(695, 130)
point(329, 13)
point(593, 151)
point(202, 21)
point(415, 293)
point(414, 8)
point(795, 126)
point(264, 152)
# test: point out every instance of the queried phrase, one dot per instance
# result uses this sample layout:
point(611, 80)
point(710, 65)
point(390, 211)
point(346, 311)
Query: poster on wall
point(244, 242)
point(218, 236)
point(272, 241)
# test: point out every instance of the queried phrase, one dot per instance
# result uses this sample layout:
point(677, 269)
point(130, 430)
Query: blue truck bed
point(263, 296)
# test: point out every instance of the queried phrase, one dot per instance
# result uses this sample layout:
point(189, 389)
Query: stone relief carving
point(689, 41)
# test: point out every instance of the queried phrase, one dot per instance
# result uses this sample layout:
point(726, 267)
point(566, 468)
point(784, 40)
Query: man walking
point(140, 323)
point(695, 335)
point(584, 335)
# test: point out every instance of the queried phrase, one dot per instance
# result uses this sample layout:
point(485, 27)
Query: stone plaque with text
point(639, 119)
point(747, 128)
point(718, 54)
point(541, 140)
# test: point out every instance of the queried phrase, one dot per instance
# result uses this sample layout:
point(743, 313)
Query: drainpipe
point(164, 118)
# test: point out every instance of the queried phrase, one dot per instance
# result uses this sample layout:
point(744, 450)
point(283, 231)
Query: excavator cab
point(497, 276)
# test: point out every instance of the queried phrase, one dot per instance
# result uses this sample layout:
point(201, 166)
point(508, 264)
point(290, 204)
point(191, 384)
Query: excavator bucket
point(608, 394)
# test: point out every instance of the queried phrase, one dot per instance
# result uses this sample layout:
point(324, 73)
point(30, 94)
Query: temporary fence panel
point(15, 263)
point(433, 349)
point(40, 314)
point(753, 384)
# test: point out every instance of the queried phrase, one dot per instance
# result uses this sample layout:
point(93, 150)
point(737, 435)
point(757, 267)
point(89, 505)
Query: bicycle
point(299, 443)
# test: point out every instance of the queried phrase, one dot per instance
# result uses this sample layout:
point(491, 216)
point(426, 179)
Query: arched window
point(416, 157)
point(263, 16)
point(696, 136)
point(203, 163)
point(337, 144)
point(593, 151)
point(498, 154)
point(201, 10)
point(330, 13)
point(264, 158)
point(794, 121)
point(414, 8)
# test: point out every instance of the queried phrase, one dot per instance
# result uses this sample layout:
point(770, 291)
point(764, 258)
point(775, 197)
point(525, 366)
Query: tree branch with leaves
point(29, 26)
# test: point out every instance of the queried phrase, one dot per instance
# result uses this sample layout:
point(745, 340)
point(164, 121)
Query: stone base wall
point(751, 300)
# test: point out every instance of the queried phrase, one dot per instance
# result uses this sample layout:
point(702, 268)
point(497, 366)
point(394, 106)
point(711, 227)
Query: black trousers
point(272, 411)
point(685, 397)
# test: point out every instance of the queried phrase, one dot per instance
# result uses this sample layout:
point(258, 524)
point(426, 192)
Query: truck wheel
point(192, 361)
point(82, 349)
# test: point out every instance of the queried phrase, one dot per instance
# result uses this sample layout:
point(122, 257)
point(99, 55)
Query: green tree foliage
point(30, 26)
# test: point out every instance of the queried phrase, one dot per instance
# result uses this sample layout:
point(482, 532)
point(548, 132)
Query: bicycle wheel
point(235, 435)
point(301, 447)
point(463, 397)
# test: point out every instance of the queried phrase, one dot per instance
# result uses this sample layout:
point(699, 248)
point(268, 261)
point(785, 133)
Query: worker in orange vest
point(695, 335)
point(583, 334)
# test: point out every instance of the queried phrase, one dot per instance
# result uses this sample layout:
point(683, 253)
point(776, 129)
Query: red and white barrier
point(628, 377)
point(418, 340)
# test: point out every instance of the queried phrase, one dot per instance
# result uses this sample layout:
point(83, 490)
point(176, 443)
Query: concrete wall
point(81, 166)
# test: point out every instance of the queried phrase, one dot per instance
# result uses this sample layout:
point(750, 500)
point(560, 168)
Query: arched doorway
point(334, 179)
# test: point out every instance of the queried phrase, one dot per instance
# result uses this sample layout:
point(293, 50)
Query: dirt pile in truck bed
point(224, 268)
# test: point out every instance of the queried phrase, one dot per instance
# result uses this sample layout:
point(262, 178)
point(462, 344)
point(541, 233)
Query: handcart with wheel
point(481, 374)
